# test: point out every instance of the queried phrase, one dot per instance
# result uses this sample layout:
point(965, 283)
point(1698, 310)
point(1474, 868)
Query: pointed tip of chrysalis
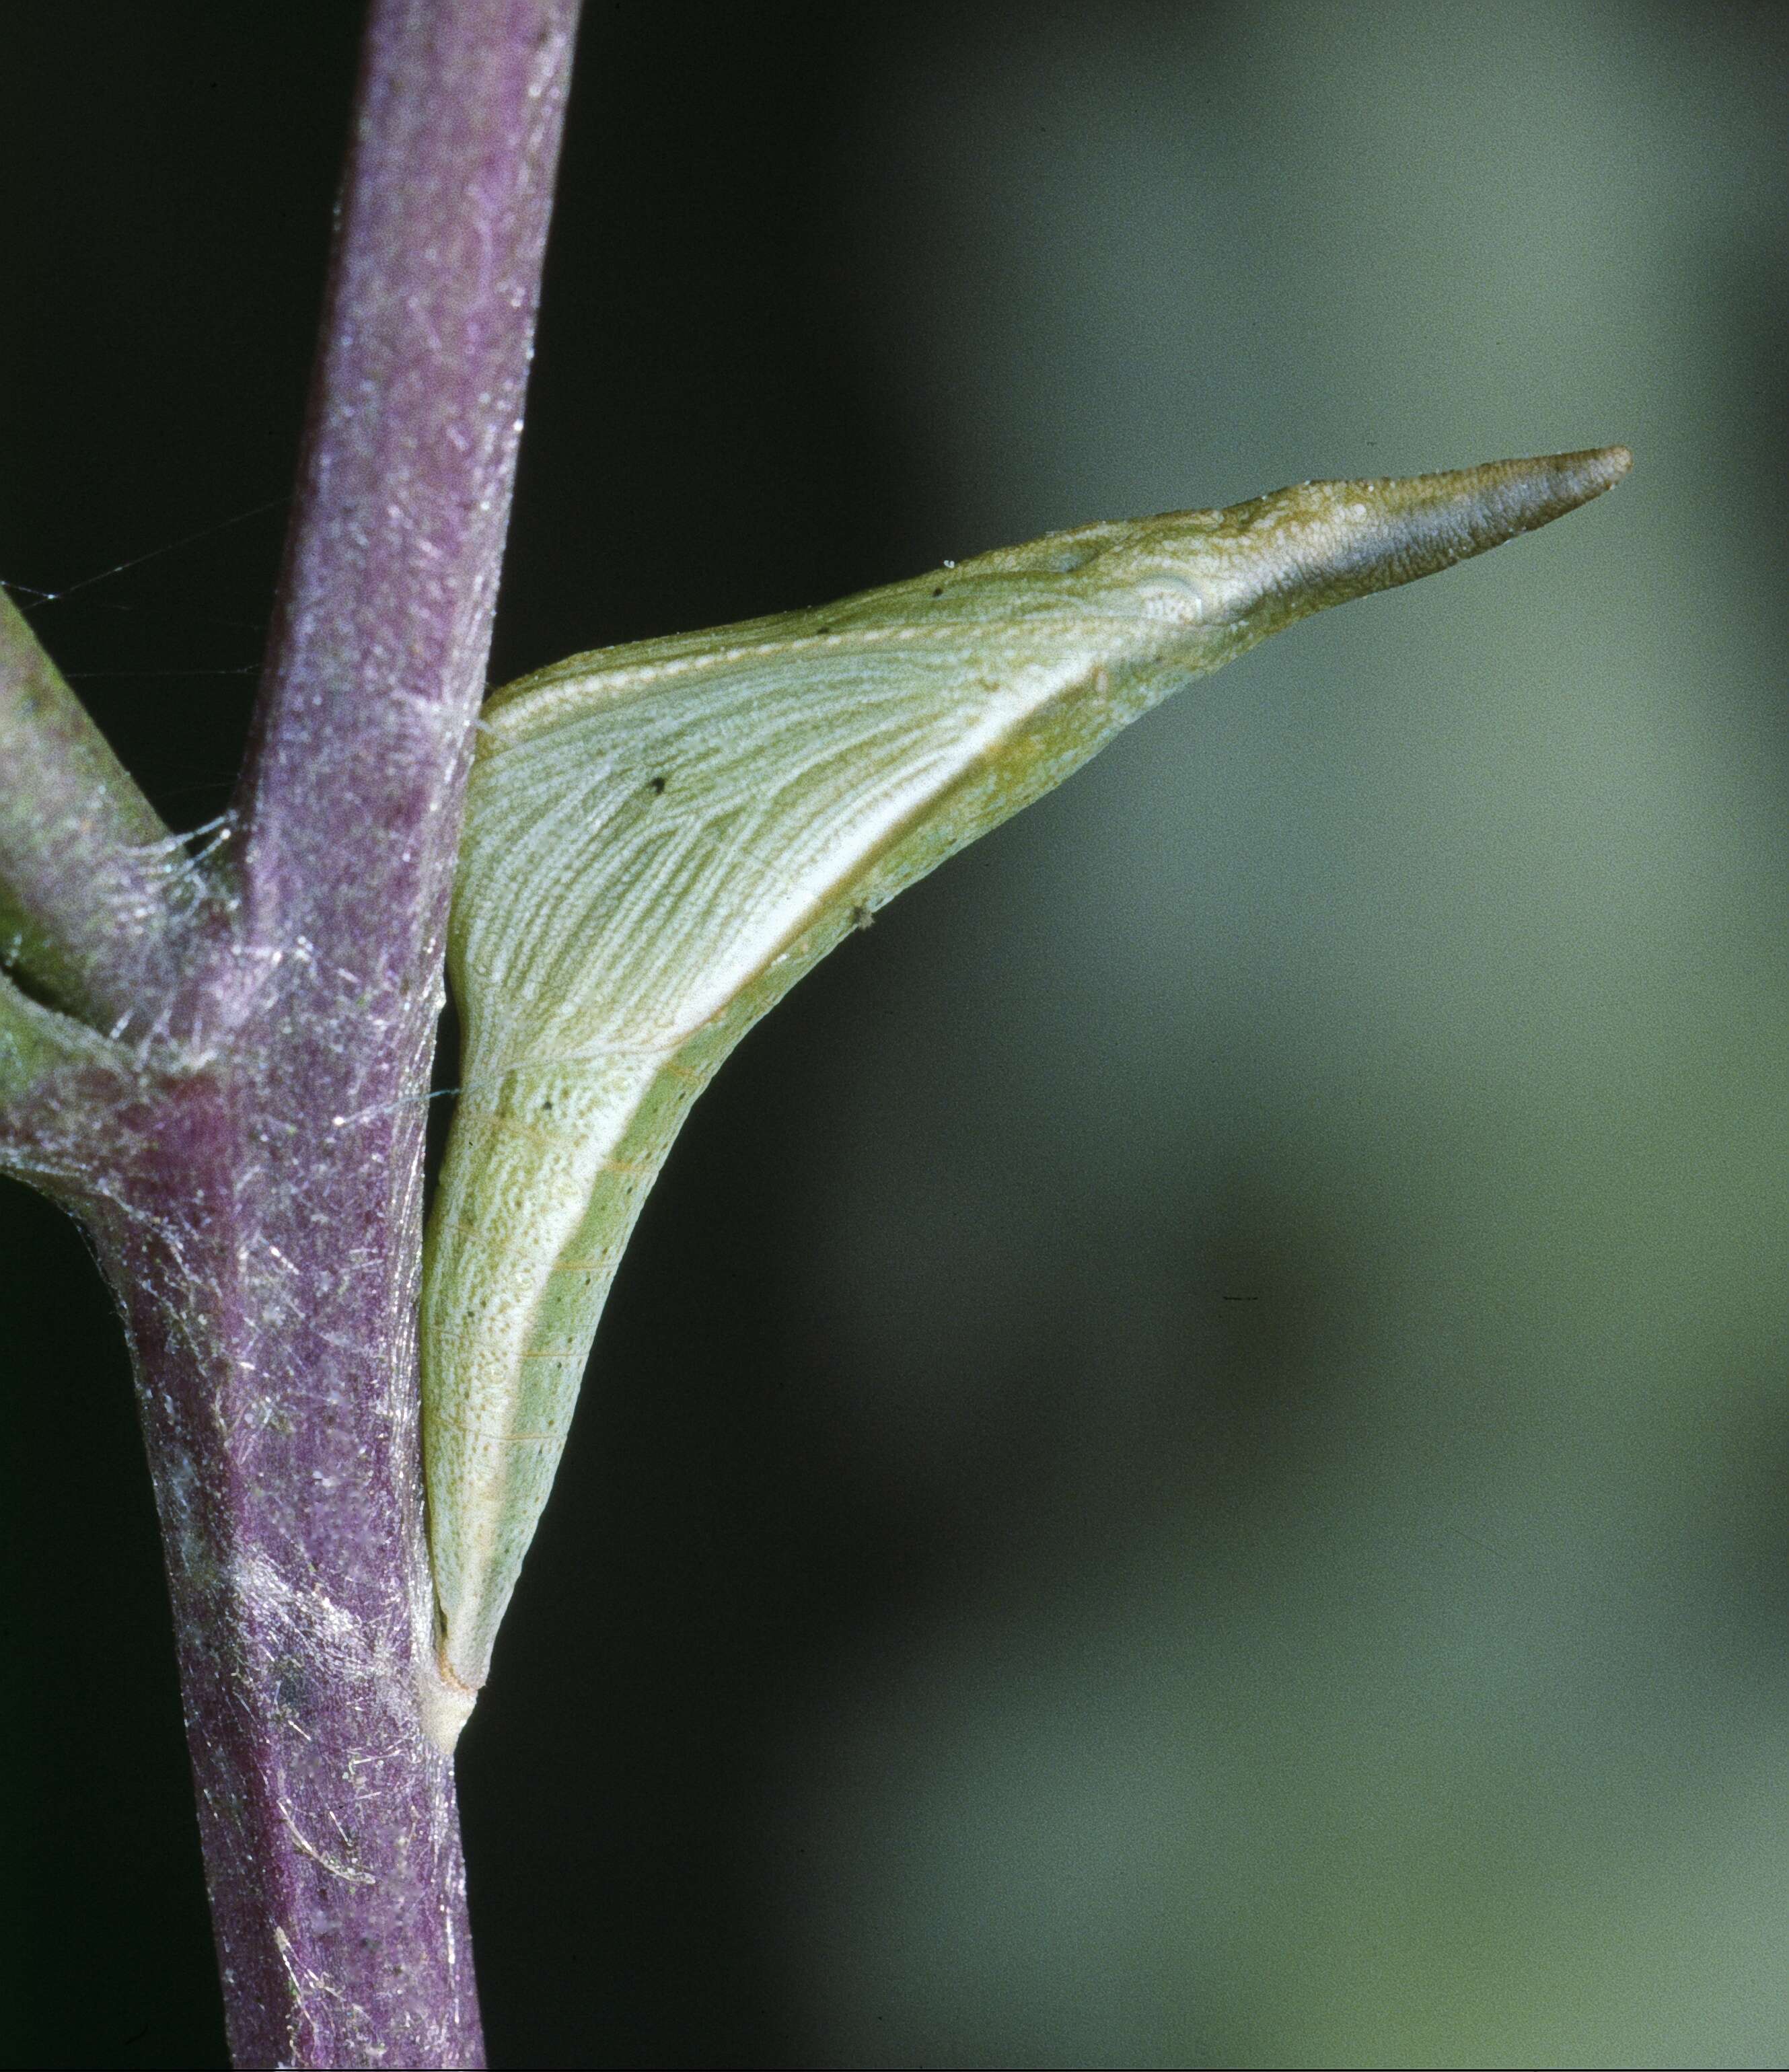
point(1601, 467)
point(1446, 518)
point(1321, 543)
point(1502, 497)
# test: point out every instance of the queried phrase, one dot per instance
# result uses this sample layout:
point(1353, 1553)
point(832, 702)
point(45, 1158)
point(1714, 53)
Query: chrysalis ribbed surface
point(661, 838)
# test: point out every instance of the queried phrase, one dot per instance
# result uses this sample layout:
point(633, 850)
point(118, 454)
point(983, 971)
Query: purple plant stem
point(254, 1188)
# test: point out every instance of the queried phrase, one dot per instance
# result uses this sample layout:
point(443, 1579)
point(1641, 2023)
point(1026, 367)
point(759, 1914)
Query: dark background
point(965, 1632)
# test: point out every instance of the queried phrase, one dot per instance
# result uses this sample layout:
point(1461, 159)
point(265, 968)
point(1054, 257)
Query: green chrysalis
point(661, 838)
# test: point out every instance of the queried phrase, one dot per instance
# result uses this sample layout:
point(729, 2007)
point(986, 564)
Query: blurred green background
point(1190, 1466)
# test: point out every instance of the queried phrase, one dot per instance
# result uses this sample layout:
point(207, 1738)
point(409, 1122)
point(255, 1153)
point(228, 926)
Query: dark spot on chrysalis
point(656, 788)
point(940, 591)
point(861, 917)
point(826, 629)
